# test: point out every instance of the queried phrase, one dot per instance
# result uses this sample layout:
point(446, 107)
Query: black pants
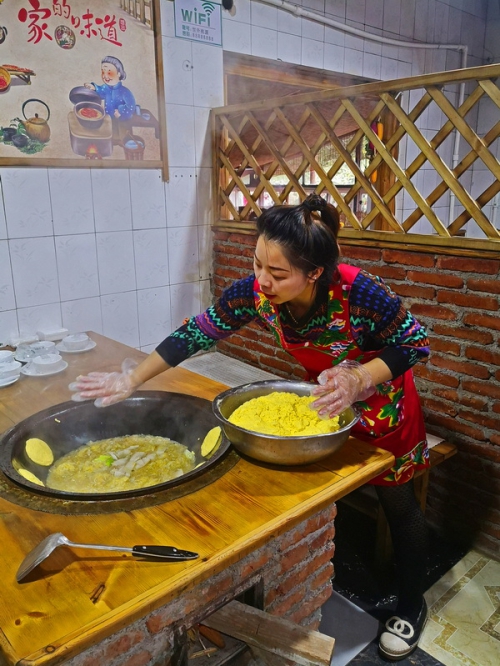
point(410, 539)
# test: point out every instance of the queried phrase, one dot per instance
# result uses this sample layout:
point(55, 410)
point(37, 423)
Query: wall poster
point(81, 84)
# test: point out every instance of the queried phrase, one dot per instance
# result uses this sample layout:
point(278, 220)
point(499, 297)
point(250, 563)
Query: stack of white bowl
point(47, 364)
point(75, 342)
point(27, 352)
point(10, 369)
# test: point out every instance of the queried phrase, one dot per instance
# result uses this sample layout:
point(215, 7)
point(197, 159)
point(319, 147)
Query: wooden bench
point(365, 499)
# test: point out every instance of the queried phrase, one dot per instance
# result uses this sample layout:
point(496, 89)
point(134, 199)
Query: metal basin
point(271, 448)
point(66, 427)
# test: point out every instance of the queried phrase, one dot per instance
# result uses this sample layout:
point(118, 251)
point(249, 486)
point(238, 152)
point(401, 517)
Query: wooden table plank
point(224, 521)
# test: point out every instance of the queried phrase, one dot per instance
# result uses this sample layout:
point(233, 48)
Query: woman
point(353, 336)
point(119, 102)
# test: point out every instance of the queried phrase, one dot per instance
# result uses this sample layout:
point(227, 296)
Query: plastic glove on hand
point(341, 386)
point(106, 387)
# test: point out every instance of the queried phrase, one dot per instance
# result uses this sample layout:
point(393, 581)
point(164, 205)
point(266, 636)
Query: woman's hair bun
point(314, 202)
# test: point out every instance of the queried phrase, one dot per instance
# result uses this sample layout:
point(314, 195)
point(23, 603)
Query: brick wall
point(457, 298)
point(293, 573)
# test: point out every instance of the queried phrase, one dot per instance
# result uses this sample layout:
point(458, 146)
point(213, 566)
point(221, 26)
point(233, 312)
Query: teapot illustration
point(36, 127)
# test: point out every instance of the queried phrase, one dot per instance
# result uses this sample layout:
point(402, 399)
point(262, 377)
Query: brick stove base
point(290, 577)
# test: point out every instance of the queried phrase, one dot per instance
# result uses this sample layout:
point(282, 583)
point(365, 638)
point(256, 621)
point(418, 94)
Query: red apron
point(391, 418)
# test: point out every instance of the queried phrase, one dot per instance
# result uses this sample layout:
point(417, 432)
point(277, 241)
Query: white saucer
point(62, 348)
point(8, 381)
point(22, 358)
point(29, 372)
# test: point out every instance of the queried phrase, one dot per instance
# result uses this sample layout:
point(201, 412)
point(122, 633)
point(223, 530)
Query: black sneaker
point(401, 637)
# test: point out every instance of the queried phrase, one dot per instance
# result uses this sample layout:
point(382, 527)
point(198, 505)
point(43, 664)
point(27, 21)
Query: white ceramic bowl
point(42, 347)
point(47, 362)
point(76, 341)
point(6, 356)
point(10, 369)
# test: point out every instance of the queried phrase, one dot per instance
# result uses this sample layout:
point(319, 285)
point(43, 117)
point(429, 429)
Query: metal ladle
point(50, 543)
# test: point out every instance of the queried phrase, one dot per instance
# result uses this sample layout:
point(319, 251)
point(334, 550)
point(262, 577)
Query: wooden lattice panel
point(287, 136)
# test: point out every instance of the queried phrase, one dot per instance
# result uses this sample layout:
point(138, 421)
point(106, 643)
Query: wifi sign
point(198, 20)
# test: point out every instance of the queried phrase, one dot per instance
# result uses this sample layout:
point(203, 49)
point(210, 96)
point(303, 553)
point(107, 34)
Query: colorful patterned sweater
point(378, 321)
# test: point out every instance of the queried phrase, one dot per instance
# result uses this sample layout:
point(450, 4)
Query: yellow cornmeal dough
point(26, 473)
point(282, 414)
point(39, 452)
point(29, 476)
point(211, 442)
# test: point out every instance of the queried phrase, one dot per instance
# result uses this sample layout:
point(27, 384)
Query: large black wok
point(65, 427)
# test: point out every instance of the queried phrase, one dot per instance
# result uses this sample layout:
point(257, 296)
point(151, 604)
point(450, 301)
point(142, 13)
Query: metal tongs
point(50, 543)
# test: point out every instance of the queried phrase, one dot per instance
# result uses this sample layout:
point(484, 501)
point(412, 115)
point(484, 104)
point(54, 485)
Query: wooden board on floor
point(272, 634)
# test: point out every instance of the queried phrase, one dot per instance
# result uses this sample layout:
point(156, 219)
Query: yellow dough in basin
point(283, 414)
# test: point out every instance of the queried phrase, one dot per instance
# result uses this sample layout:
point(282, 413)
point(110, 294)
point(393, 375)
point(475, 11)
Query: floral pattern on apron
point(392, 417)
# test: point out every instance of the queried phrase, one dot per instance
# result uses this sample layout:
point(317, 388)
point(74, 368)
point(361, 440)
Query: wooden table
point(224, 521)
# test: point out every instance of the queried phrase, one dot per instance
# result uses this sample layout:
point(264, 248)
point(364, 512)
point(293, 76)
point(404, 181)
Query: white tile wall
point(35, 271)
point(237, 36)
point(76, 257)
point(120, 318)
point(167, 19)
point(241, 13)
point(264, 16)
point(3, 222)
point(334, 57)
point(71, 199)
point(290, 48)
point(203, 137)
point(181, 197)
point(111, 196)
point(7, 300)
point(290, 24)
point(179, 73)
point(264, 42)
point(313, 30)
point(186, 300)
point(312, 53)
point(123, 253)
point(183, 255)
point(208, 76)
point(39, 317)
point(337, 8)
point(151, 258)
point(147, 194)
point(353, 62)
point(154, 314)
point(355, 9)
point(9, 328)
point(82, 315)
point(26, 199)
point(180, 135)
point(115, 257)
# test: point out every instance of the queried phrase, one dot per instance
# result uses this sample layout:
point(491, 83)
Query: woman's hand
point(106, 387)
point(341, 386)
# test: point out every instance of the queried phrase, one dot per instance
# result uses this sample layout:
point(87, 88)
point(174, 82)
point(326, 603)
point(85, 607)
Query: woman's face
point(109, 74)
point(278, 279)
